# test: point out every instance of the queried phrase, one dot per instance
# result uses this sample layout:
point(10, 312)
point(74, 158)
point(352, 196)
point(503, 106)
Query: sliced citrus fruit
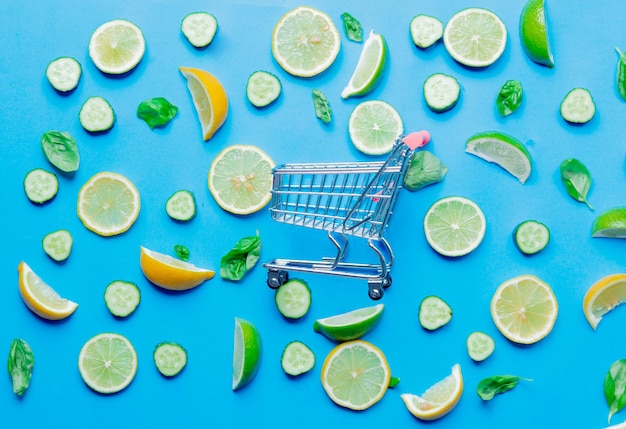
point(503, 150)
point(305, 42)
point(534, 33)
point(171, 273)
point(356, 375)
point(374, 126)
point(610, 223)
point(439, 399)
point(117, 46)
point(603, 296)
point(209, 99)
point(240, 179)
point(369, 69)
point(351, 325)
point(454, 226)
point(40, 298)
point(108, 204)
point(247, 352)
point(107, 362)
point(475, 37)
point(524, 309)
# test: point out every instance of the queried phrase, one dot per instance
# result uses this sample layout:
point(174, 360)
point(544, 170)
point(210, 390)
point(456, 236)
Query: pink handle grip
point(417, 139)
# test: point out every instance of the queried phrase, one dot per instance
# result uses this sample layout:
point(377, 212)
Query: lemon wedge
point(439, 399)
point(603, 296)
point(171, 273)
point(40, 298)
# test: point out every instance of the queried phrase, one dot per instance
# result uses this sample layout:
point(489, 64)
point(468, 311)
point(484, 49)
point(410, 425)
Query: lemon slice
point(351, 325)
point(439, 399)
point(240, 179)
point(534, 33)
point(107, 363)
point(247, 352)
point(171, 273)
point(209, 99)
point(108, 204)
point(305, 42)
point(524, 309)
point(117, 46)
point(374, 126)
point(603, 296)
point(356, 375)
point(40, 298)
point(369, 69)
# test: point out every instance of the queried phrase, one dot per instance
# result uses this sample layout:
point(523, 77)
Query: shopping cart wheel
point(275, 278)
point(377, 287)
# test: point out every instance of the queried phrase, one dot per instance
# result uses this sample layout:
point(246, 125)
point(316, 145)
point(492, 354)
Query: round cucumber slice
point(58, 244)
point(293, 299)
point(263, 88)
point(434, 313)
point(64, 73)
point(169, 358)
point(96, 115)
point(122, 298)
point(40, 185)
point(199, 28)
point(480, 346)
point(531, 237)
point(181, 206)
point(297, 359)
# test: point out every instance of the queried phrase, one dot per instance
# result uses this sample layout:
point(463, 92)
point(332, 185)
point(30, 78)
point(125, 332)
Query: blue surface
point(567, 367)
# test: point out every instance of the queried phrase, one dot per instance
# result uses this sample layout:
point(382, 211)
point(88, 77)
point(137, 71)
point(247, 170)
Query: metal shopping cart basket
point(343, 199)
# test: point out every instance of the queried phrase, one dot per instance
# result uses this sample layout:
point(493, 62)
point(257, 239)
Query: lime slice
point(107, 362)
point(305, 42)
point(356, 375)
point(351, 325)
point(425, 30)
point(480, 346)
point(524, 309)
point(246, 354)
point(475, 37)
point(610, 223)
point(369, 69)
point(534, 33)
point(117, 46)
point(374, 127)
point(454, 226)
point(603, 296)
point(240, 179)
point(503, 150)
point(439, 399)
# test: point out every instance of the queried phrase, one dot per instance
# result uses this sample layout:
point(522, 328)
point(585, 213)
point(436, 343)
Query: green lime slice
point(351, 325)
point(117, 46)
point(369, 69)
point(503, 150)
point(246, 353)
point(374, 126)
point(534, 33)
point(610, 224)
point(454, 226)
point(107, 362)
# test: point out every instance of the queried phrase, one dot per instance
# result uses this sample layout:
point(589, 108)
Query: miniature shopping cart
point(343, 199)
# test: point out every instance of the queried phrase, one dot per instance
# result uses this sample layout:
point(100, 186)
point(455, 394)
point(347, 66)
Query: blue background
point(568, 367)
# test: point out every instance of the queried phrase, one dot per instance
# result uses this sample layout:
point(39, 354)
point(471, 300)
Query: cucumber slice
point(64, 73)
point(578, 106)
point(40, 185)
point(425, 30)
point(531, 237)
point(297, 359)
point(58, 244)
point(199, 28)
point(480, 346)
point(169, 358)
point(122, 298)
point(441, 92)
point(434, 312)
point(293, 299)
point(96, 115)
point(181, 206)
point(263, 88)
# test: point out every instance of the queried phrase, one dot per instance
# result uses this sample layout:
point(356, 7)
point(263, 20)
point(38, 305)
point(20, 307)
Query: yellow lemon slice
point(439, 399)
point(209, 98)
point(603, 296)
point(171, 273)
point(40, 298)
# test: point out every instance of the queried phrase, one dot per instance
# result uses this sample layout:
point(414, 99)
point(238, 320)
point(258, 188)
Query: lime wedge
point(374, 126)
point(246, 353)
point(369, 69)
point(534, 33)
point(351, 325)
point(503, 150)
point(610, 223)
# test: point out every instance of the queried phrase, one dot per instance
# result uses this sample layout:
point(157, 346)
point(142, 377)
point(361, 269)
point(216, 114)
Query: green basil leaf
point(20, 365)
point(353, 27)
point(61, 150)
point(156, 112)
point(241, 258)
point(322, 106)
point(182, 252)
point(576, 179)
point(621, 74)
point(509, 97)
point(497, 384)
point(424, 169)
point(615, 387)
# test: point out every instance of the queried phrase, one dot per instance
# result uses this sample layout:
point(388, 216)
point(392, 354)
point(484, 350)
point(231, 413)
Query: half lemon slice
point(40, 298)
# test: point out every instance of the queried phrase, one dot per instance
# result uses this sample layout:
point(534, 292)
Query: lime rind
point(350, 325)
point(503, 150)
point(610, 224)
point(534, 33)
point(247, 352)
point(369, 69)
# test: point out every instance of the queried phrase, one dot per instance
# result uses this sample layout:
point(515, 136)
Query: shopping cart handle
point(416, 139)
